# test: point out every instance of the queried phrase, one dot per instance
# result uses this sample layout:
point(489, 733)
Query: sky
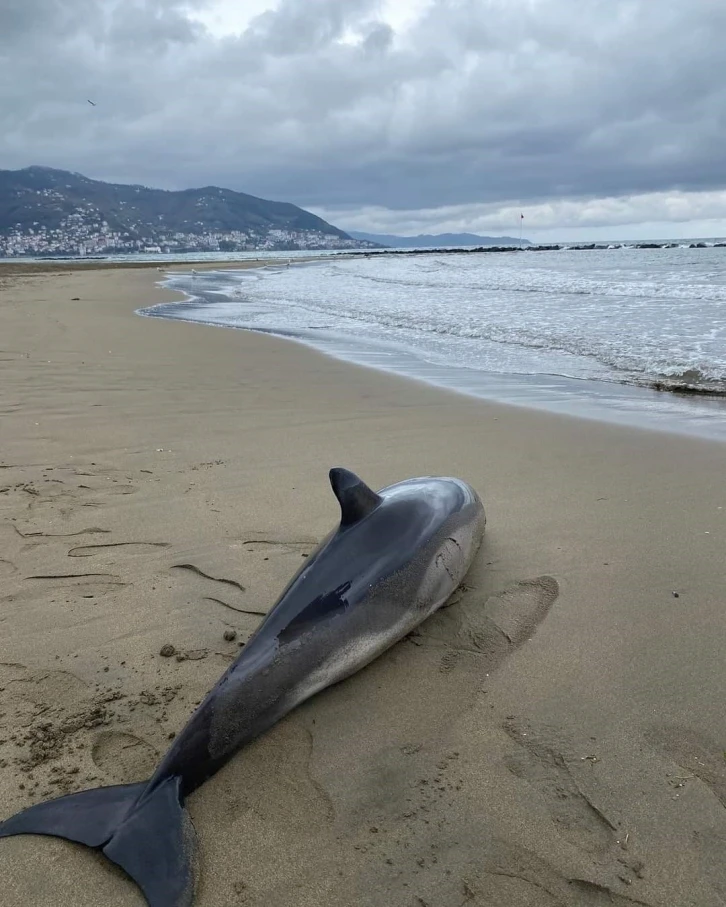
point(595, 119)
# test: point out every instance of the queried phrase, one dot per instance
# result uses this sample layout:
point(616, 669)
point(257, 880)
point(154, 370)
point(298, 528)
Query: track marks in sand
point(86, 583)
point(215, 579)
point(219, 590)
point(218, 601)
point(268, 563)
point(59, 586)
point(59, 535)
point(112, 548)
point(73, 576)
point(270, 546)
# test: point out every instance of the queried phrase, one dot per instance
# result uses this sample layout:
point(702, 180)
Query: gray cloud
point(319, 102)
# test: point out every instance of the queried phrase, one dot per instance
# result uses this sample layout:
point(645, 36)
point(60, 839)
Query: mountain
point(55, 212)
point(438, 240)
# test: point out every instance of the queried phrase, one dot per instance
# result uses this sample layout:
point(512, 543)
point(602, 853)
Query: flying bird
point(91, 103)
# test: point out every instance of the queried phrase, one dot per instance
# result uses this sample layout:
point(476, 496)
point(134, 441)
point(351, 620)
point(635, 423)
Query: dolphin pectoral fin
point(89, 817)
point(157, 846)
point(149, 835)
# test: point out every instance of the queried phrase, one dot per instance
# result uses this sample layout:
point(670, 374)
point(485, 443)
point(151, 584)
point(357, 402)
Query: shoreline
point(654, 406)
point(554, 736)
point(524, 245)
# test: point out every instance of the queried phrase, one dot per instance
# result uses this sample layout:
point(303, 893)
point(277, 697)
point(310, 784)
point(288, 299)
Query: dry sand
point(555, 737)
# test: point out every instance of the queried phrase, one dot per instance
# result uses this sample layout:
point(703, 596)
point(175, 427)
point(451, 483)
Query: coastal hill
point(426, 240)
point(47, 211)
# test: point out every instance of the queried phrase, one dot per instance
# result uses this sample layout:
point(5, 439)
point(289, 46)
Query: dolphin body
point(396, 556)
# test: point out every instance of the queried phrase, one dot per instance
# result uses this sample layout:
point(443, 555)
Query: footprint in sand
point(493, 630)
point(542, 763)
point(513, 875)
point(49, 713)
point(122, 757)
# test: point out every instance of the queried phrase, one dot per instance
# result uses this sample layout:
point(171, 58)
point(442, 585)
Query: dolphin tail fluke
point(148, 834)
point(156, 845)
point(89, 817)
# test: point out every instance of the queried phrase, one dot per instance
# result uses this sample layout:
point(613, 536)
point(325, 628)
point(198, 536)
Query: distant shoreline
point(551, 247)
point(125, 261)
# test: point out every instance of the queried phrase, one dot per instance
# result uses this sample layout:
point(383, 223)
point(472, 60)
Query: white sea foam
point(619, 315)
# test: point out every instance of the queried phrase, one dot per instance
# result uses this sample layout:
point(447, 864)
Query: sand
point(554, 737)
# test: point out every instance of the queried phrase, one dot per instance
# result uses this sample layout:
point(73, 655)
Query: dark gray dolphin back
point(380, 533)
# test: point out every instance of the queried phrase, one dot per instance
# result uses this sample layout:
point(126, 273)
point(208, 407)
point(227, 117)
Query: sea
point(626, 335)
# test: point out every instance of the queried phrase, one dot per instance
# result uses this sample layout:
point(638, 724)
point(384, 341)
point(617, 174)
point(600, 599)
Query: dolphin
point(395, 557)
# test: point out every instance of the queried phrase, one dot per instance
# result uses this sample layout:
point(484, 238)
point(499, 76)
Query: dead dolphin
point(396, 556)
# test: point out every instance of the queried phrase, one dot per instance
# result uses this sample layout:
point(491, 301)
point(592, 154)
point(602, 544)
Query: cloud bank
point(454, 115)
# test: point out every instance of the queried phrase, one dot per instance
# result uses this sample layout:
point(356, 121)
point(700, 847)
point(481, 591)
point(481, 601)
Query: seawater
point(587, 333)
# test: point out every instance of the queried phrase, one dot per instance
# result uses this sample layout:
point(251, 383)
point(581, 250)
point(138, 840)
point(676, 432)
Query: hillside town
point(81, 235)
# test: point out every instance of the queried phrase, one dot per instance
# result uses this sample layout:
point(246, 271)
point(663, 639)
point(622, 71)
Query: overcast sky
point(593, 118)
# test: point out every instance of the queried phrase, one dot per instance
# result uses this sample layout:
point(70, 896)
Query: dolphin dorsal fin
point(356, 499)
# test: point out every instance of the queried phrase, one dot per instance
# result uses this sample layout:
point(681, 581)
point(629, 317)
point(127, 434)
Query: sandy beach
point(554, 737)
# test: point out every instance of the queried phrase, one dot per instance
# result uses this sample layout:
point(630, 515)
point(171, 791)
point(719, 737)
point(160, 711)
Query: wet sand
point(554, 737)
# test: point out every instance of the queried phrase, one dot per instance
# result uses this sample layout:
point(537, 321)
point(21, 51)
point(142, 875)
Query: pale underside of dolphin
point(394, 559)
